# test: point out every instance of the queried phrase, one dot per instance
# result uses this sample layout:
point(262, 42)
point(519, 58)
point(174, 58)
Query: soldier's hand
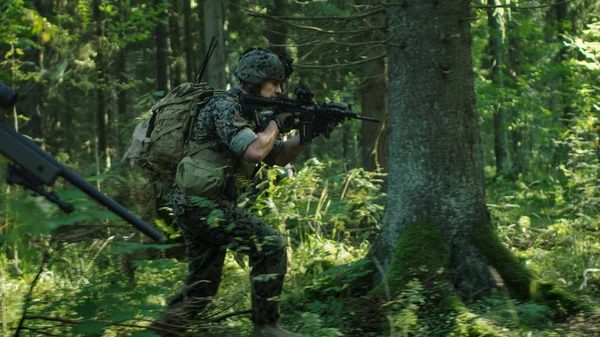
point(324, 129)
point(284, 121)
point(337, 105)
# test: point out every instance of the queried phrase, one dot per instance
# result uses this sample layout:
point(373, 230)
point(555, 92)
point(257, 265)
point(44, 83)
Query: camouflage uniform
point(211, 229)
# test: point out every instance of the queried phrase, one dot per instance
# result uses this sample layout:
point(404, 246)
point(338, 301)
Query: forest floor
point(86, 285)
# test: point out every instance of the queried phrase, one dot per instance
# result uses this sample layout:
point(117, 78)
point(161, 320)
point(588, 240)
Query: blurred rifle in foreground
point(302, 113)
point(33, 169)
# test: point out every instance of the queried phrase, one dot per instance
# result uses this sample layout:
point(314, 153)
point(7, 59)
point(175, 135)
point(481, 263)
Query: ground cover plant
point(88, 71)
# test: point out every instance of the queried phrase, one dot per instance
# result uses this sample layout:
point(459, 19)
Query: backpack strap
point(195, 148)
point(155, 136)
point(176, 100)
point(194, 111)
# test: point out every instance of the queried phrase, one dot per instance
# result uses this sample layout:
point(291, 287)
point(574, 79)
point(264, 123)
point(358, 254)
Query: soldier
point(212, 226)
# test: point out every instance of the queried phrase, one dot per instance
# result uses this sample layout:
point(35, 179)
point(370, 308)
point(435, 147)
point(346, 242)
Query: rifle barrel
point(370, 119)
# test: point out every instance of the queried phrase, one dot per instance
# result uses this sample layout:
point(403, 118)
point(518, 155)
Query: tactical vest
point(213, 172)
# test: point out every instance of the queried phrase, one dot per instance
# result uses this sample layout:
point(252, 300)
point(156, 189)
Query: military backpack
point(159, 144)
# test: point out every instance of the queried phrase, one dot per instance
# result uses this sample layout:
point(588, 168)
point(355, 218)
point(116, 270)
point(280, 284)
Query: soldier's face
point(270, 89)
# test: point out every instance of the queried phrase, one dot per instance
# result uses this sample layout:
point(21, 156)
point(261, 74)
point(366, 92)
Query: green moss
point(514, 274)
point(519, 281)
point(549, 294)
point(420, 253)
point(470, 325)
point(467, 324)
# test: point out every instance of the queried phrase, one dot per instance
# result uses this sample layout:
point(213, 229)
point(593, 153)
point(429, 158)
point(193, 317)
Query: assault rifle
point(33, 168)
point(306, 116)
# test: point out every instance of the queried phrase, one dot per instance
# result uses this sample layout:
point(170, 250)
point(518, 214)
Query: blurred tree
point(275, 31)
point(373, 88)
point(496, 37)
point(188, 42)
point(175, 43)
point(563, 24)
point(162, 63)
point(214, 25)
point(102, 114)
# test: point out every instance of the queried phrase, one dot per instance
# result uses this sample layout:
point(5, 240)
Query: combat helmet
point(258, 65)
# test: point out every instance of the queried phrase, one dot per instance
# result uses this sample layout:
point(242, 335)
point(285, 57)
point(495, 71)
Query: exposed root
point(520, 282)
point(418, 291)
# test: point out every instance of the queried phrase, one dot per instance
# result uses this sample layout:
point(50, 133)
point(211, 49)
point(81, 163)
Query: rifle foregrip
point(305, 133)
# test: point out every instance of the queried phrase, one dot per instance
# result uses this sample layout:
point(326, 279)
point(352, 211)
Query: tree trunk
point(275, 31)
point(32, 102)
point(563, 55)
point(513, 71)
point(175, 40)
point(346, 152)
point(214, 21)
point(201, 49)
point(501, 151)
point(101, 110)
point(162, 65)
point(122, 79)
point(435, 155)
point(374, 101)
point(188, 42)
point(436, 225)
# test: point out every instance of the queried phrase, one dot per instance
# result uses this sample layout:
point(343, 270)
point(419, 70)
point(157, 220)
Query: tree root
point(520, 282)
point(421, 255)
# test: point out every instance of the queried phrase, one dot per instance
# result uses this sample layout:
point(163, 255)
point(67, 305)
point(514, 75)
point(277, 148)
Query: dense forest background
point(88, 71)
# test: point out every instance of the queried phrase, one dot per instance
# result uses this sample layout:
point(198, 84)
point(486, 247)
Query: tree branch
point(387, 4)
point(315, 29)
point(376, 10)
point(223, 317)
point(40, 331)
point(322, 42)
point(519, 7)
point(55, 319)
point(45, 260)
point(79, 321)
point(343, 65)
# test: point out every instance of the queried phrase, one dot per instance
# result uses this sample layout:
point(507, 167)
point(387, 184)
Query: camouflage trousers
point(208, 234)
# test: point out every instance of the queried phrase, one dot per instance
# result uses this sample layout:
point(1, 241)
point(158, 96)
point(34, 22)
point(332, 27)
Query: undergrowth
point(83, 290)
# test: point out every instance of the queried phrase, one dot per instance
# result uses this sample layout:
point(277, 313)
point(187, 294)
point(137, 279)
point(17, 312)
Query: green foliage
point(312, 325)
point(338, 207)
point(546, 219)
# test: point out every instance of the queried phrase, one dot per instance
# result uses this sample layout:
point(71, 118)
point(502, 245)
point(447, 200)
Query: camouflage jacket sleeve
point(221, 117)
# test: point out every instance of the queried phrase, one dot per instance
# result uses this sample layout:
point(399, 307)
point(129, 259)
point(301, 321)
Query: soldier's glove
point(337, 105)
point(284, 121)
point(327, 128)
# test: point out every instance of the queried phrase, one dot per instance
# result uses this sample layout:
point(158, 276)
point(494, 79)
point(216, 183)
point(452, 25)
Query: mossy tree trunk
point(435, 159)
